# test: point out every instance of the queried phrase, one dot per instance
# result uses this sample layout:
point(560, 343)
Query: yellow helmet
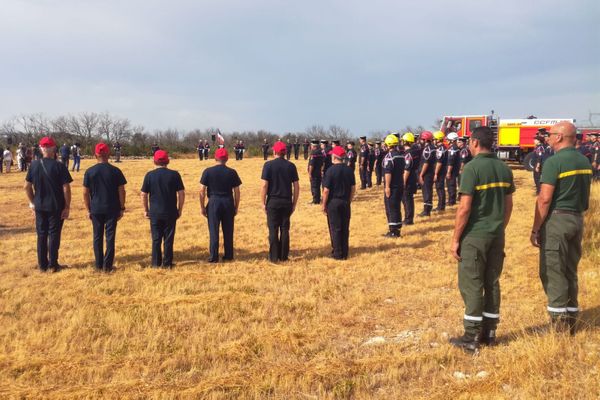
point(391, 140)
point(408, 137)
point(439, 135)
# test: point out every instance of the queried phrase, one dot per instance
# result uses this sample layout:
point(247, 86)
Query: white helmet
point(452, 136)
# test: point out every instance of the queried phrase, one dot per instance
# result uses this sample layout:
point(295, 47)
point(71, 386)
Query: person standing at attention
point(484, 211)
point(279, 200)
point(163, 196)
point(104, 199)
point(48, 189)
point(558, 225)
point(222, 186)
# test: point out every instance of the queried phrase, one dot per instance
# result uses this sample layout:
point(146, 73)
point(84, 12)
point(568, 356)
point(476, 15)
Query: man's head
point(323, 144)
point(337, 154)
point(102, 151)
point(48, 146)
point(561, 135)
point(161, 158)
point(350, 145)
point(221, 155)
point(335, 143)
point(314, 144)
point(482, 140)
point(279, 149)
point(362, 139)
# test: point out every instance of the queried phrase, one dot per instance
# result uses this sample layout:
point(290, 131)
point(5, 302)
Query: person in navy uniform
point(222, 185)
point(296, 149)
point(279, 194)
point(339, 187)
point(595, 149)
point(65, 153)
point(265, 149)
point(538, 153)
point(372, 160)
point(163, 196)
point(154, 148)
point(104, 199)
point(117, 149)
point(288, 148)
point(428, 161)
point(326, 150)
point(441, 166)
point(200, 149)
point(305, 147)
point(363, 161)
point(453, 169)
point(379, 155)
point(464, 153)
point(351, 156)
point(206, 149)
point(242, 149)
point(412, 157)
point(315, 171)
point(48, 189)
point(236, 151)
point(393, 183)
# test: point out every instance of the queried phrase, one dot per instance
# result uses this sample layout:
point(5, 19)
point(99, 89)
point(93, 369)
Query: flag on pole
point(220, 138)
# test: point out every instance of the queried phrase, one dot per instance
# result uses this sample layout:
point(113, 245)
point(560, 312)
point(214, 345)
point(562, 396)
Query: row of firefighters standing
point(403, 164)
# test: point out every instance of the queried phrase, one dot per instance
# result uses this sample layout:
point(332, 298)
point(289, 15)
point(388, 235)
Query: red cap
point(221, 154)
point(279, 147)
point(338, 151)
point(102, 149)
point(47, 141)
point(161, 156)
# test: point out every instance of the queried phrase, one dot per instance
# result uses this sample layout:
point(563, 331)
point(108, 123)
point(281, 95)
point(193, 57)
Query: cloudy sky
point(283, 66)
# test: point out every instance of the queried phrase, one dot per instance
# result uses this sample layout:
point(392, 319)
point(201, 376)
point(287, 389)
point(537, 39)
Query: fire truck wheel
point(528, 162)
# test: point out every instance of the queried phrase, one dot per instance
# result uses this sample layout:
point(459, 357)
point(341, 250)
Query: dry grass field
point(253, 330)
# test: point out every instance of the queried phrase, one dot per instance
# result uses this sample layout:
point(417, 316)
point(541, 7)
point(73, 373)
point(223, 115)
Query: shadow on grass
point(588, 319)
point(15, 230)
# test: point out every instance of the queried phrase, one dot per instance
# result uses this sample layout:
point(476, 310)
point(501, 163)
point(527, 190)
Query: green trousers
point(560, 252)
point(479, 272)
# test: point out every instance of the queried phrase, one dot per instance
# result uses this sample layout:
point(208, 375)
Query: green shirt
point(488, 180)
point(570, 172)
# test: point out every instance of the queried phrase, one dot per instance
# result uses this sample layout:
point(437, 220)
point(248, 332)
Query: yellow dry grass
point(250, 329)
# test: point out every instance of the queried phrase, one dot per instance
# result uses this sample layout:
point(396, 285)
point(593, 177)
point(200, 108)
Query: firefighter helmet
point(426, 135)
point(408, 137)
point(391, 140)
point(439, 135)
point(452, 136)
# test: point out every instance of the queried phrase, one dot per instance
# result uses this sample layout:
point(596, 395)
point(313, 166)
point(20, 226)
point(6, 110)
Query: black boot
point(560, 324)
point(487, 337)
point(466, 342)
point(425, 214)
point(572, 320)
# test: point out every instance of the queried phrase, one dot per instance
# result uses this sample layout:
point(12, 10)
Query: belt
point(567, 212)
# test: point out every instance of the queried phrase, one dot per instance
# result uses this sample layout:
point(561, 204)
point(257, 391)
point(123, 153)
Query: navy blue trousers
point(163, 231)
point(104, 224)
point(48, 226)
point(220, 214)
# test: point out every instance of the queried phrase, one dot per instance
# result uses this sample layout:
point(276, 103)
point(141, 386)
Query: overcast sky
point(283, 66)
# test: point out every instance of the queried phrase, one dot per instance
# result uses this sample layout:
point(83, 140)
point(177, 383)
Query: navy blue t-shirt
point(48, 185)
point(339, 179)
point(280, 173)
point(220, 180)
point(162, 185)
point(103, 181)
point(394, 163)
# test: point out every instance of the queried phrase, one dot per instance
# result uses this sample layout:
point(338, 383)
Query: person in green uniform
point(558, 224)
point(484, 211)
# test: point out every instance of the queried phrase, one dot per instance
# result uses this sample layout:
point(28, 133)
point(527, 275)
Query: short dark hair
point(485, 136)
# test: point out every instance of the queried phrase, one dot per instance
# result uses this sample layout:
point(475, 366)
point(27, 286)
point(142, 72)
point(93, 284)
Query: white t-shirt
point(7, 155)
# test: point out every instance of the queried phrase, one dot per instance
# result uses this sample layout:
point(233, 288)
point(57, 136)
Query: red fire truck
point(513, 137)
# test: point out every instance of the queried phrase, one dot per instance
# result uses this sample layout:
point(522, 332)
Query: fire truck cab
point(514, 138)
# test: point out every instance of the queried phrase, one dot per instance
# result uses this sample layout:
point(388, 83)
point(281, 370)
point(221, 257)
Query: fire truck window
point(476, 123)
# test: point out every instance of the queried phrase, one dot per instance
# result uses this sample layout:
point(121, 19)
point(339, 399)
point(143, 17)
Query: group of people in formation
point(485, 207)
point(402, 164)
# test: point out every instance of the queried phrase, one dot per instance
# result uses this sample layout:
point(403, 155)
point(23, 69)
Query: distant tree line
point(88, 128)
